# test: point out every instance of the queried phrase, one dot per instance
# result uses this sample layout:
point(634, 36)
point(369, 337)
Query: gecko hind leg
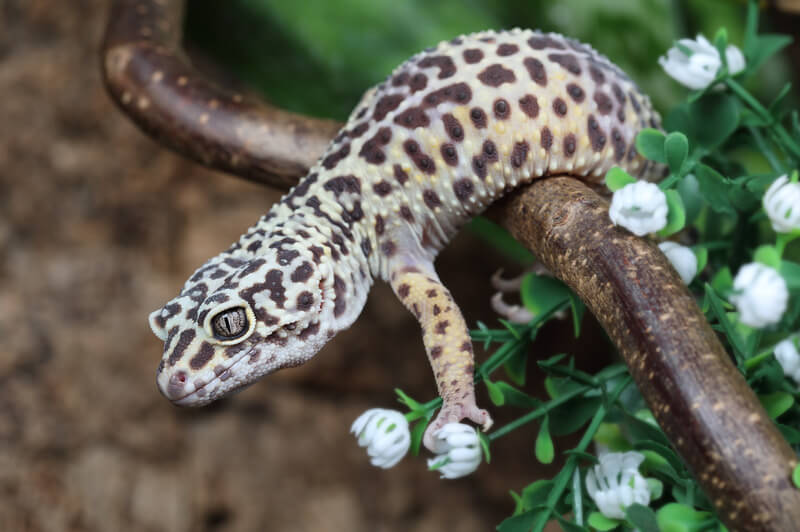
point(447, 342)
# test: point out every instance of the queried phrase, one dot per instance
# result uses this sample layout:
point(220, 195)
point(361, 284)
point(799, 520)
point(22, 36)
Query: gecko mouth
point(201, 394)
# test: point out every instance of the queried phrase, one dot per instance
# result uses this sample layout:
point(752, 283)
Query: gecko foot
point(454, 413)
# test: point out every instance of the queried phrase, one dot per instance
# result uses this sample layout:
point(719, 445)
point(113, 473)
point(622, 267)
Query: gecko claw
point(454, 413)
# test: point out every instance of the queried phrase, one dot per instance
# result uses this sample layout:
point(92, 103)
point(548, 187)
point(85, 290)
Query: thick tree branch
point(154, 84)
point(696, 394)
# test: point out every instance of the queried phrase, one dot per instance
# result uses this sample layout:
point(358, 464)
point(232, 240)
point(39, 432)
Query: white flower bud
point(682, 258)
point(698, 70)
point(789, 358)
point(385, 434)
point(639, 207)
point(760, 295)
point(460, 446)
point(615, 483)
point(782, 203)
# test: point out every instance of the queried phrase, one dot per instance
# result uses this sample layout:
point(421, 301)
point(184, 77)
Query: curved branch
point(154, 84)
point(696, 394)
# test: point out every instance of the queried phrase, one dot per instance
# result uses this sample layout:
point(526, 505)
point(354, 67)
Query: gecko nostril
point(175, 385)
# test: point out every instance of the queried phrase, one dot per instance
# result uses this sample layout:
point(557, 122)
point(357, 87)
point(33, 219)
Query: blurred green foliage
point(319, 56)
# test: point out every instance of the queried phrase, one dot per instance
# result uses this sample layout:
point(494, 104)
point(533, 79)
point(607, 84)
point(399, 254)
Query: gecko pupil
point(230, 323)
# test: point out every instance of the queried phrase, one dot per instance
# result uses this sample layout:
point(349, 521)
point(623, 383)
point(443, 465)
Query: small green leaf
point(790, 271)
point(569, 526)
point(702, 257)
point(406, 400)
point(655, 487)
point(689, 189)
point(650, 143)
point(676, 149)
point(416, 436)
point(522, 522)
point(578, 308)
point(676, 216)
point(676, 517)
point(535, 494)
point(515, 397)
point(484, 439)
point(616, 178)
point(642, 518)
point(776, 403)
point(602, 523)
point(715, 117)
point(721, 44)
point(722, 282)
point(769, 256)
point(545, 451)
point(714, 188)
point(796, 476)
point(495, 394)
point(541, 294)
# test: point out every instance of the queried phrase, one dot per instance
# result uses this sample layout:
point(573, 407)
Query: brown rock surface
point(98, 226)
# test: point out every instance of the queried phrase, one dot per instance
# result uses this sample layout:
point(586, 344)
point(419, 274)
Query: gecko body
point(447, 133)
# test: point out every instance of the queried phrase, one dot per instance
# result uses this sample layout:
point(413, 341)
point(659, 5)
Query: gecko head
point(240, 318)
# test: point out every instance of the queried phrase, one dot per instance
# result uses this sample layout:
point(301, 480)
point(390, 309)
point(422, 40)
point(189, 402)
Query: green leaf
point(572, 415)
point(545, 451)
point(791, 434)
point(416, 435)
point(495, 394)
point(500, 239)
point(642, 518)
point(715, 117)
point(722, 281)
point(764, 47)
point(602, 523)
point(769, 256)
point(689, 189)
point(676, 150)
point(516, 365)
point(714, 188)
point(721, 43)
point(535, 494)
point(735, 339)
point(663, 451)
point(676, 216)
point(676, 517)
point(702, 257)
point(616, 178)
point(569, 526)
point(541, 294)
point(578, 308)
point(655, 487)
point(487, 454)
point(790, 271)
point(776, 403)
point(406, 400)
point(796, 476)
point(515, 397)
point(522, 522)
point(650, 143)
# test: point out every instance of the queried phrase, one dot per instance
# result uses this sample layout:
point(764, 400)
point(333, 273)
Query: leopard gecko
point(447, 133)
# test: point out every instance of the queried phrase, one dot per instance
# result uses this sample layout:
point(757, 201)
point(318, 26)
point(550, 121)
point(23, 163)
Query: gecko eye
point(230, 324)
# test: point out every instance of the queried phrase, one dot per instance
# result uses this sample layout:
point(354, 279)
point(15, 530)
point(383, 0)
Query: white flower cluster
point(789, 358)
point(760, 295)
point(682, 258)
point(385, 434)
point(695, 63)
point(782, 204)
point(639, 207)
point(457, 446)
point(615, 483)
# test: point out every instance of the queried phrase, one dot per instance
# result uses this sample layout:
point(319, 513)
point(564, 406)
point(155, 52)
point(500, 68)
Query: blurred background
point(99, 226)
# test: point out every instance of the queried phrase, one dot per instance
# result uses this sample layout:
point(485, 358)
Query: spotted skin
point(447, 133)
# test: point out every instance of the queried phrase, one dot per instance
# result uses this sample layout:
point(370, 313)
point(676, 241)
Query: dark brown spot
point(458, 93)
point(399, 174)
point(436, 352)
point(382, 188)
point(412, 118)
point(431, 199)
point(441, 327)
point(618, 93)
point(418, 82)
point(405, 212)
point(302, 273)
point(341, 184)
point(501, 109)
point(184, 340)
point(495, 75)
point(305, 300)
point(575, 92)
point(597, 74)
point(568, 61)
point(547, 138)
point(472, 55)
point(403, 290)
point(507, 49)
point(596, 135)
point(529, 105)
point(519, 154)
point(400, 79)
point(449, 154)
point(478, 117)
point(604, 103)
point(333, 159)
point(467, 347)
point(490, 151)
point(202, 357)
point(445, 64)
point(560, 107)
point(388, 248)
point(479, 166)
point(421, 160)
point(453, 127)
point(274, 283)
point(387, 104)
point(542, 42)
point(309, 331)
point(366, 247)
point(536, 70)
point(431, 292)
point(339, 304)
point(635, 103)
point(379, 225)
point(463, 188)
point(619, 144)
point(569, 145)
point(371, 149)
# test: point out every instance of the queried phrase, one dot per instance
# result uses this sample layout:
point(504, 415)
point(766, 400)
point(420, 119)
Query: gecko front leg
point(447, 342)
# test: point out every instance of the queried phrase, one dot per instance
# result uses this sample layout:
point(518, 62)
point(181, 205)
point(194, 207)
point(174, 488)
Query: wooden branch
point(153, 83)
point(696, 394)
